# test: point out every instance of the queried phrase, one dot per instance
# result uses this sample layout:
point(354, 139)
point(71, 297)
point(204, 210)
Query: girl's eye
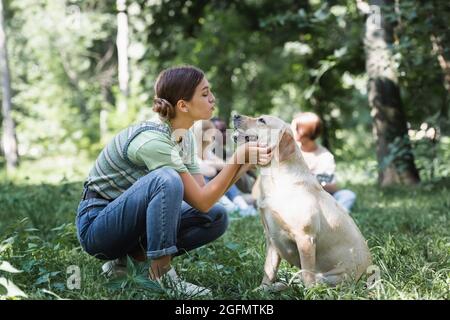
point(262, 120)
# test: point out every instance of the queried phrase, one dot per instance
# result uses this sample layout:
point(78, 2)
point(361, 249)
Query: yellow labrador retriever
point(303, 223)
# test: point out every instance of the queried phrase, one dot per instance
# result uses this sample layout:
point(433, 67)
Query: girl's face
point(201, 106)
point(302, 134)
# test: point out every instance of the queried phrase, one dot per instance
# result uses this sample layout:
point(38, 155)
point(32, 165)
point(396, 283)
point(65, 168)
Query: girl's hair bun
point(164, 108)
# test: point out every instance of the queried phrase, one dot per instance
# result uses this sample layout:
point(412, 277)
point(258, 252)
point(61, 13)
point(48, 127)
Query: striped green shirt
point(138, 150)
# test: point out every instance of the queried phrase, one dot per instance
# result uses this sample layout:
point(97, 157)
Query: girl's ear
point(181, 106)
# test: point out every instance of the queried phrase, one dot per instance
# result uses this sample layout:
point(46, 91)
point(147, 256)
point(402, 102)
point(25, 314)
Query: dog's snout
point(237, 120)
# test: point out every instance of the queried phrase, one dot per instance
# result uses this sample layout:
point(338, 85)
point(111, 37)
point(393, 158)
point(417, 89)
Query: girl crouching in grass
point(145, 196)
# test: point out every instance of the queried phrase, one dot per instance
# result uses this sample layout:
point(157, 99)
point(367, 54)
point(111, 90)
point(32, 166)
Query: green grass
point(407, 229)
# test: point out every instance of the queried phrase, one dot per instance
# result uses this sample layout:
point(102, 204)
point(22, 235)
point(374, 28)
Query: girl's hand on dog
point(253, 153)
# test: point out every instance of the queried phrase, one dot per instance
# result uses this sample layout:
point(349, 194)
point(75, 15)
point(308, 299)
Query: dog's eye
point(262, 120)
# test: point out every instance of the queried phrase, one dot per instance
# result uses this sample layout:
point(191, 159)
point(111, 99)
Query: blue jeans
point(345, 198)
point(151, 214)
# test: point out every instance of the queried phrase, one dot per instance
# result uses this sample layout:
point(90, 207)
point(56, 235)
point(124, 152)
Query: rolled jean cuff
point(163, 252)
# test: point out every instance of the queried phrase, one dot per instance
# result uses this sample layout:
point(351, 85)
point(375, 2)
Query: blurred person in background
point(221, 148)
point(206, 134)
point(307, 127)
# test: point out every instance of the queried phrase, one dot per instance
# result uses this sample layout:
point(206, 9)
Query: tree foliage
point(260, 56)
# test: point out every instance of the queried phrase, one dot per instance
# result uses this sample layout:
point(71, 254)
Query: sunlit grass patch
point(407, 230)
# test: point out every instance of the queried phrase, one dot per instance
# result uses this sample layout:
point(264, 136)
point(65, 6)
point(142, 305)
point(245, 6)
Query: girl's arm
point(204, 197)
point(214, 161)
point(239, 174)
point(206, 169)
point(199, 179)
point(215, 164)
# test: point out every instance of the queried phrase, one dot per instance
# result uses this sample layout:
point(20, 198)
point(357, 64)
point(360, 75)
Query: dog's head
point(268, 130)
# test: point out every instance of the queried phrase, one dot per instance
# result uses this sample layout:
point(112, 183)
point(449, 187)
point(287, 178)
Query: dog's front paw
point(272, 287)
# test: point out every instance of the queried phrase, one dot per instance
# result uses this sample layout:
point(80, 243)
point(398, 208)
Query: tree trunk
point(103, 119)
point(225, 95)
point(318, 106)
point(105, 79)
point(444, 63)
point(9, 130)
point(394, 152)
point(122, 54)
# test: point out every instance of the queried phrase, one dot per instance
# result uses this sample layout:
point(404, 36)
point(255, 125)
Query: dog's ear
point(286, 146)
